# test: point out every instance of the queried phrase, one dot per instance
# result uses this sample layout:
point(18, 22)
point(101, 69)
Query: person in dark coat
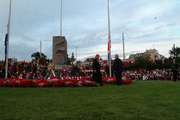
point(118, 69)
point(175, 69)
point(1, 74)
point(97, 76)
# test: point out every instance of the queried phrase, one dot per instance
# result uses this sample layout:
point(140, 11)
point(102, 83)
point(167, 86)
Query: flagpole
point(40, 49)
point(123, 47)
point(8, 40)
point(61, 21)
point(109, 38)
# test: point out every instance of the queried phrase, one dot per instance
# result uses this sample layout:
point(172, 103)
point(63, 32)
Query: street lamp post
point(76, 54)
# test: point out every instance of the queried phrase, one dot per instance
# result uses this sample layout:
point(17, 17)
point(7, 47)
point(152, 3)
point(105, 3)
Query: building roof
point(89, 60)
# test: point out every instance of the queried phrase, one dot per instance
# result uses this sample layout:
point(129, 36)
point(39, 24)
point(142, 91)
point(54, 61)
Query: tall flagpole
point(76, 54)
point(40, 49)
point(109, 38)
point(61, 20)
point(7, 44)
point(123, 47)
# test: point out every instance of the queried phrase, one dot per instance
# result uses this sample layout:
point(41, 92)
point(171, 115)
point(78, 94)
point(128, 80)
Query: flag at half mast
point(6, 41)
point(109, 47)
point(109, 41)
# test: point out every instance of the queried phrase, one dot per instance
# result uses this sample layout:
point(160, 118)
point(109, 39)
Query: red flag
point(89, 65)
point(108, 61)
point(79, 64)
point(24, 67)
point(83, 76)
point(17, 67)
point(52, 73)
point(10, 70)
point(37, 62)
point(2, 66)
point(31, 66)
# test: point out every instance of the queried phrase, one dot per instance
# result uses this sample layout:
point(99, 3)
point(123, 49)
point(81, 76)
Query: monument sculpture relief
point(59, 54)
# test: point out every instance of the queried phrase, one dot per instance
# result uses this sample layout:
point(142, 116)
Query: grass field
point(147, 100)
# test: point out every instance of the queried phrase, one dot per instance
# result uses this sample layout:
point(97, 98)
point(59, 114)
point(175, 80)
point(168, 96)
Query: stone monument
point(59, 54)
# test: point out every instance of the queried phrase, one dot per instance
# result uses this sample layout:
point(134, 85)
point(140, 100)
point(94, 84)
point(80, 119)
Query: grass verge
point(138, 100)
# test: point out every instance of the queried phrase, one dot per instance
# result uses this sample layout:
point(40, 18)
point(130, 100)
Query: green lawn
point(138, 100)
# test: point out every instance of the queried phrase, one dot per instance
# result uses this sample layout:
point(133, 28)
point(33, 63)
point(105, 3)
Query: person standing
point(1, 74)
point(97, 76)
point(174, 69)
point(118, 69)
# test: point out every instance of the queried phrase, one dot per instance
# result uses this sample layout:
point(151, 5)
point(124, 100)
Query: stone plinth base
point(58, 69)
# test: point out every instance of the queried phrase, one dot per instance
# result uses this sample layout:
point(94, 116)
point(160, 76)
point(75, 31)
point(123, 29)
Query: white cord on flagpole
point(7, 44)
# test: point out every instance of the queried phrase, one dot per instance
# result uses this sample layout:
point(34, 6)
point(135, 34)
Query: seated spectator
point(151, 77)
point(144, 77)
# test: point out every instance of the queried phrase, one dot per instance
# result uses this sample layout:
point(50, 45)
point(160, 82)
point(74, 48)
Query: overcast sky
point(145, 23)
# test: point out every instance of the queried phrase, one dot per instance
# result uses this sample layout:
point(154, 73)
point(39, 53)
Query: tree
point(9, 59)
point(42, 60)
point(175, 52)
point(68, 60)
point(72, 59)
point(142, 61)
point(146, 56)
point(36, 56)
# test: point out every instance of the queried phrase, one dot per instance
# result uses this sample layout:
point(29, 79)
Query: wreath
point(51, 66)
point(64, 72)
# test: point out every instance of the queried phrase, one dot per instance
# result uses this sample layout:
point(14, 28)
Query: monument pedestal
point(58, 69)
point(59, 54)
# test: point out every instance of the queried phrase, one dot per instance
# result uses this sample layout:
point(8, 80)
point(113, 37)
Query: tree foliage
point(175, 52)
point(68, 60)
point(142, 61)
point(36, 56)
point(72, 59)
point(43, 60)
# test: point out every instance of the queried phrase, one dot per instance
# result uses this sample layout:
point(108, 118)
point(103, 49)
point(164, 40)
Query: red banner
point(2, 66)
point(17, 67)
point(10, 70)
point(89, 65)
point(79, 64)
point(24, 67)
point(31, 66)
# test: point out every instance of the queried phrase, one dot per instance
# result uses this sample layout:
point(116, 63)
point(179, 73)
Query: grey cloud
point(85, 24)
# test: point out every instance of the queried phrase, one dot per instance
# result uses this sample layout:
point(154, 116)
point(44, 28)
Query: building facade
point(154, 55)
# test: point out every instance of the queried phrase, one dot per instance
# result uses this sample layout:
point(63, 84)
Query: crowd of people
point(40, 74)
point(156, 74)
point(96, 73)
